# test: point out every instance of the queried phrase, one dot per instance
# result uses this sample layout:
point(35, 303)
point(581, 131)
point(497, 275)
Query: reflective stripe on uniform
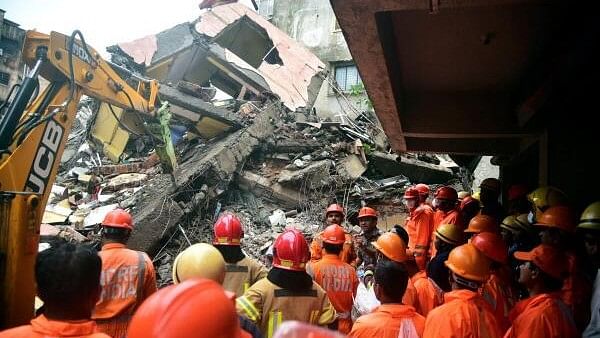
point(249, 308)
point(275, 319)
point(246, 286)
point(314, 316)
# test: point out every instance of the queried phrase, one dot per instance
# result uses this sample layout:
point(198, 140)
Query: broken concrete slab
point(262, 187)
point(314, 175)
point(351, 167)
point(125, 181)
point(417, 171)
point(159, 209)
point(65, 232)
point(204, 93)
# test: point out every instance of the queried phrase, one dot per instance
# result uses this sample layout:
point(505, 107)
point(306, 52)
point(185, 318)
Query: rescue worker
point(194, 308)
point(390, 246)
point(288, 292)
point(447, 237)
point(543, 314)
point(199, 260)
point(517, 200)
point(557, 226)
point(334, 215)
point(469, 208)
point(365, 252)
point(202, 260)
point(518, 234)
point(68, 281)
point(337, 278)
point(392, 318)
point(418, 225)
point(543, 198)
point(481, 223)
point(423, 190)
point(497, 290)
point(446, 212)
point(127, 277)
point(489, 193)
point(589, 226)
point(429, 294)
point(241, 270)
point(464, 313)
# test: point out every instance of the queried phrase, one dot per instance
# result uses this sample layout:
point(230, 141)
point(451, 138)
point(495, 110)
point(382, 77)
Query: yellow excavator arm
point(32, 139)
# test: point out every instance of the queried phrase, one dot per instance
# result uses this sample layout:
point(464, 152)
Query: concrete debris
point(262, 154)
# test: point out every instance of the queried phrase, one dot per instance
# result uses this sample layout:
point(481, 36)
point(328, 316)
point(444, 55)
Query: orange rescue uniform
point(340, 282)
point(268, 305)
point(388, 321)
point(347, 255)
point(496, 292)
point(577, 292)
point(541, 316)
point(429, 295)
point(464, 314)
point(127, 279)
point(419, 225)
point(241, 275)
point(42, 327)
point(439, 218)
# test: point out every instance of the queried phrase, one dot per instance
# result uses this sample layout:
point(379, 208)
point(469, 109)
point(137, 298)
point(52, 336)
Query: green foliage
point(358, 90)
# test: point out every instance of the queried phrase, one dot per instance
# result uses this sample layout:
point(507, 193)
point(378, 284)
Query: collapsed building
point(260, 151)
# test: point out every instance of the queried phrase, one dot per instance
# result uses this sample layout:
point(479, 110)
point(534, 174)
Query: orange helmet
point(560, 217)
point(468, 262)
point(291, 251)
point(228, 230)
point(492, 246)
point(118, 218)
point(196, 307)
point(411, 193)
point(367, 212)
point(335, 208)
point(334, 234)
point(423, 189)
point(481, 223)
point(392, 247)
point(446, 193)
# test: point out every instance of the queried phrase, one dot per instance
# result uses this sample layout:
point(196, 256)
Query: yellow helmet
point(463, 194)
point(450, 233)
point(476, 195)
point(546, 197)
point(199, 260)
point(590, 218)
point(510, 223)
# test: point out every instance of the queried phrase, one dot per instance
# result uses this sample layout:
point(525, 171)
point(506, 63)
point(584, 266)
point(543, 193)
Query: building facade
point(11, 43)
point(313, 23)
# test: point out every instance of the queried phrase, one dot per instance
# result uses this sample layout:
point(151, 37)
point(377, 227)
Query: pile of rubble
point(262, 153)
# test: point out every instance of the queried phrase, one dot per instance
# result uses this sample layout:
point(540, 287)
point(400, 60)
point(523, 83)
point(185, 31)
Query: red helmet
point(291, 251)
point(446, 193)
point(367, 212)
point(517, 191)
point(228, 230)
point(467, 202)
point(491, 245)
point(423, 189)
point(335, 208)
point(560, 217)
point(118, 218)
point(167, 312)
point(411, 193)
point(334, 234)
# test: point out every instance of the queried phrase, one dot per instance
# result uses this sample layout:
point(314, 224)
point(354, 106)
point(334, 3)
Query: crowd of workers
point(461, 266)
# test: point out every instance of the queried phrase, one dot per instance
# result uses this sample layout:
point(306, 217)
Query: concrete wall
point(10, 60)
point(313, 23)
